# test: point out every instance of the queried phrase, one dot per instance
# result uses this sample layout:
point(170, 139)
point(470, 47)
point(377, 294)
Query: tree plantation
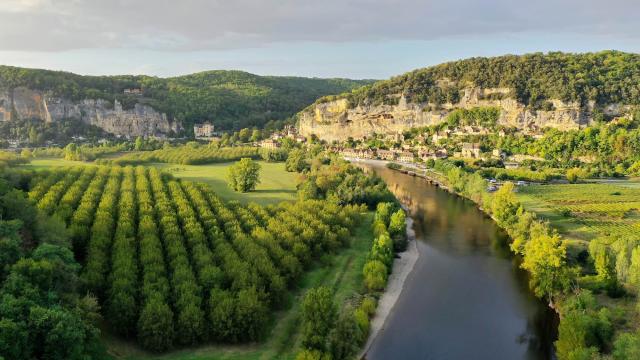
point(188, 155)
point(172, 264)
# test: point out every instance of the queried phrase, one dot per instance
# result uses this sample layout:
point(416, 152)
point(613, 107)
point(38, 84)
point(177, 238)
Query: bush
point(575, 174)
point(375, 275)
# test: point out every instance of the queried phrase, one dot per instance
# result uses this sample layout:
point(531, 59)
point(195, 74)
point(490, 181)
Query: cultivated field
point(582, 212)
point(121, 217)
point(276, 183)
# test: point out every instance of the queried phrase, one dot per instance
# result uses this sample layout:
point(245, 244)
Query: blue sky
point(349, 38)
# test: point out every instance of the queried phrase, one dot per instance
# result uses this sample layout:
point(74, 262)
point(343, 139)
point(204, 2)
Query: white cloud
point(16, 6)
point(47, 25)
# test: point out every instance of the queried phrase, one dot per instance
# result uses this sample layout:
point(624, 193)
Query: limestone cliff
point(335, 120)
point(141, 120)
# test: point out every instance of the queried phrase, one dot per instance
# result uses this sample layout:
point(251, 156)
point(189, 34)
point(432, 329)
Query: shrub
point(375, 275)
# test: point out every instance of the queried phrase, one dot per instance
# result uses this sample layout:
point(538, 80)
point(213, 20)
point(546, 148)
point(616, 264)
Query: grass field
point(46, 163)
point(342, 273)
point(276, 184)
point(582, 212)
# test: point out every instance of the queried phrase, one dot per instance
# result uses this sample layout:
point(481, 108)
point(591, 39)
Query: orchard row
point(173, 263)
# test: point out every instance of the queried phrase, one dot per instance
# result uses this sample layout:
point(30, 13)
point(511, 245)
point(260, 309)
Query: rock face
point(334, 120)
point(142, 120)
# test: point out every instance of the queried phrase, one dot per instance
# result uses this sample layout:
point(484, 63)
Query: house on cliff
point(470, 150)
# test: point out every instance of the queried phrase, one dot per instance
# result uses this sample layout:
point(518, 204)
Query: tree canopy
point(229, 99)
point(602, 77)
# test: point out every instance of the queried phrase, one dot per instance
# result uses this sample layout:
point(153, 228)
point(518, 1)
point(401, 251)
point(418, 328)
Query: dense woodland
point(604, 77)
point(42, 312)
point(229, 99)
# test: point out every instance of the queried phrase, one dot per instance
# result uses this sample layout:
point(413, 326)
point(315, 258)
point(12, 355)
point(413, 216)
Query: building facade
point(205, 130)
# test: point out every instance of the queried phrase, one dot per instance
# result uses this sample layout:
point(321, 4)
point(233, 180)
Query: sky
point(360, 39)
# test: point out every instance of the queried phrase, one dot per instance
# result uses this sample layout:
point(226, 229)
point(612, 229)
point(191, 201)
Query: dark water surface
point(466, 297)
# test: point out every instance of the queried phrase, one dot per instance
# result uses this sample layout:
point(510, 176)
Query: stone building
point(204, 130)
point(470, 150)
point(269, 144)
point(386, 154)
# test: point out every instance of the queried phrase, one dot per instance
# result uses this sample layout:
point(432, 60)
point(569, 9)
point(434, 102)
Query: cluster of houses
point(391, 155)
point(289, 132)
point(467, 130)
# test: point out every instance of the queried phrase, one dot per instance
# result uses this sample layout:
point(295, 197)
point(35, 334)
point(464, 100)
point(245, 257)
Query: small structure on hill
point(204, 130)
point(136, 92)
point(471, 150)
point(269, 144)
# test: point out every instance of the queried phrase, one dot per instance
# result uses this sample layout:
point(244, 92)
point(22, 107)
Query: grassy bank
point(342, 273)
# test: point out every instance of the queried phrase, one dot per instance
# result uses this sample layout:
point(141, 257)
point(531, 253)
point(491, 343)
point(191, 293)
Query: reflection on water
point(466, 298)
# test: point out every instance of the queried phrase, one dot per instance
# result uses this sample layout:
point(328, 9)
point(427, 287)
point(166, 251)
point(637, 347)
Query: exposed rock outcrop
point(335, 120)
point(141, 120)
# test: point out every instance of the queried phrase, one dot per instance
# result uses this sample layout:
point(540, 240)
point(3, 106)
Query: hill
point(533, 91)
point(145, 104)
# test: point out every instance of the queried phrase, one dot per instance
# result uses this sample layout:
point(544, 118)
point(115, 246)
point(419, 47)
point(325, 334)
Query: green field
point(342, 273)
point(46, 163)
point(276, 184)
point(583, 212)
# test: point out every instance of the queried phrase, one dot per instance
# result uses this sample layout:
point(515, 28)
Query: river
point(466, 298)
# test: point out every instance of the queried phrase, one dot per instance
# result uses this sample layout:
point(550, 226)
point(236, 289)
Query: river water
point(466, 297)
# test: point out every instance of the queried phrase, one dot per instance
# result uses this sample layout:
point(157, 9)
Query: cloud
point(187, 25)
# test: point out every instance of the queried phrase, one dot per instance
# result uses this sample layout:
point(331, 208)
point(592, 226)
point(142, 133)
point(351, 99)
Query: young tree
point(296, 161)
point(256, 135)
point(545, 259)
point(344, 339)
point(504, 205)
point(575, 174)
point(383, 212)
point(139, 144)
point(397, 227)
point(244, 175)
point(155, 326)
point(318, 315)
point(375, 275)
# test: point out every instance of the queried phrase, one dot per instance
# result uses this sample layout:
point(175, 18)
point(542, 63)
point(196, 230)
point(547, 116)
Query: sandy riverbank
point(402, 267)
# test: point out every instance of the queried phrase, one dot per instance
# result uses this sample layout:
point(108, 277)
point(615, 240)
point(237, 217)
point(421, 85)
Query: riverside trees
point(171, 263)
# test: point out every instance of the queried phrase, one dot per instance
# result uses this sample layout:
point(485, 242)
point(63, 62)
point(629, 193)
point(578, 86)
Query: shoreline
point(402, 267)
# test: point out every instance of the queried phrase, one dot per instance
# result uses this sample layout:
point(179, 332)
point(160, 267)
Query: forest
point(603, 77)
point(229, 99)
